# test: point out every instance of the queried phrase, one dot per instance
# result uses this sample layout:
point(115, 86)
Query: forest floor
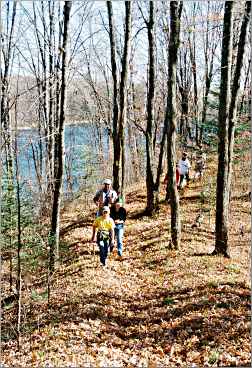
point(156, 307)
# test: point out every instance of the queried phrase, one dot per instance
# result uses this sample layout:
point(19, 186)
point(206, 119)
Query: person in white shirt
point(105, 196)
point(184, 167)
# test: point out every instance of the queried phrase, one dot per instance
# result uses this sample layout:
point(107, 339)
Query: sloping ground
point(156, 307)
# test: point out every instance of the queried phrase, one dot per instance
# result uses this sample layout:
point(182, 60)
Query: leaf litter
point(157, 307)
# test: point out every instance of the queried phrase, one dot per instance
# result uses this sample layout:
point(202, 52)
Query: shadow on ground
point(202, 316)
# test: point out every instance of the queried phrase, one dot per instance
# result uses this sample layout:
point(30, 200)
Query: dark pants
point(104, 246)
point(104, 249)
point(182, 176)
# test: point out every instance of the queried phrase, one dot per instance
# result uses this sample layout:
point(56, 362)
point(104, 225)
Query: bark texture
point(171, 122)
point(222, 193)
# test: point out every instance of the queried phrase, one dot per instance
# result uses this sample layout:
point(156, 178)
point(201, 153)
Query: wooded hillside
point(125, 129)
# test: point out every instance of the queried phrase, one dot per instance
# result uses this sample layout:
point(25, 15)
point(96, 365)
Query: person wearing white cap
point(184, 167)
point(103, 234)
point(105, 196)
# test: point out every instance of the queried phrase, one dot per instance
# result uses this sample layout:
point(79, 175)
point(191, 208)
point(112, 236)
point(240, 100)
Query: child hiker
point(103, 234)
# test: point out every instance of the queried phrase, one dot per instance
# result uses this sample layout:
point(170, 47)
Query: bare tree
point(211, 41)
point(8, 51)
point(184, 79)
point(227, 120)
point(119, 94)
point(236, 88)
point(246, 85)
point(149, 132)
point(171, 122)
point(192, 48)
point(222, 194)
point(55, 219)
point(153, 170)
point(19, 231)
point(8, 48)
point(1, 183)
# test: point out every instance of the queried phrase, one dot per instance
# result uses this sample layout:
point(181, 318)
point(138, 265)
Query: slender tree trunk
point(5, 90)
point(119, 107)
point(19, 243)
point(205, 101)
point(116, 141)
point(1, 175)
point(161, 156)
point(222, 194)
point(134, 135)
point(208, 71)
point(51, 98)
point(7, 51)
point(194, 72)
point(57, 94)
point(170, 121)
point(43, 87)
point(55, 219)
point(123, 88)
point(184, 112)
point(248, 73)
point(150, 113)
point(235, 91)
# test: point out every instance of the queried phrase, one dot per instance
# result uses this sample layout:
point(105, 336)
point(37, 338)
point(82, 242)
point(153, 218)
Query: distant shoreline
point(70, 123)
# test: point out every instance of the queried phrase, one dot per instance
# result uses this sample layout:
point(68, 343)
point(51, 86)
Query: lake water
point(82, 156)
point(85, 165)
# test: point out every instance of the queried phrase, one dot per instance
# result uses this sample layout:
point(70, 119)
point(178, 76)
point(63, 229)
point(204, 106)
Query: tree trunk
point(116, 141)
point(171, 122)
point(119, 108)
point(194, 72)
point(4, 96)
point(7, 52)
point(235, 91)
point(19, 245)
point(123, 89)
point(211, 45)
point(160, 157)
point(222, 194)
point(57, 94)
point(248, 72)
point(19, 233)
point(50, 95)
point(149, 134)
point(43, 89)
point(55, 219)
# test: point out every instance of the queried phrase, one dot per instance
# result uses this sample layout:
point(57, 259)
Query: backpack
point(103, 235)
point(106, 198)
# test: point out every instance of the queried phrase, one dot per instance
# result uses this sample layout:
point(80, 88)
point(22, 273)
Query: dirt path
point(156, 307)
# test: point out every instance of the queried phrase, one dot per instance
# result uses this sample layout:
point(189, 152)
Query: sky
point(94, 14)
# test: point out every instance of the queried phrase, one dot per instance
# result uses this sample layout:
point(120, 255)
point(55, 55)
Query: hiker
point(199, 168)
point(103, 233)
point(200, 165)
point(118, 214)
point(105, 196)
point(184, 166)
point(177, 176)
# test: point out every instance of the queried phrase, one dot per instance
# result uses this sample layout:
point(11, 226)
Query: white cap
point(105, 209)
point(107, 181)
